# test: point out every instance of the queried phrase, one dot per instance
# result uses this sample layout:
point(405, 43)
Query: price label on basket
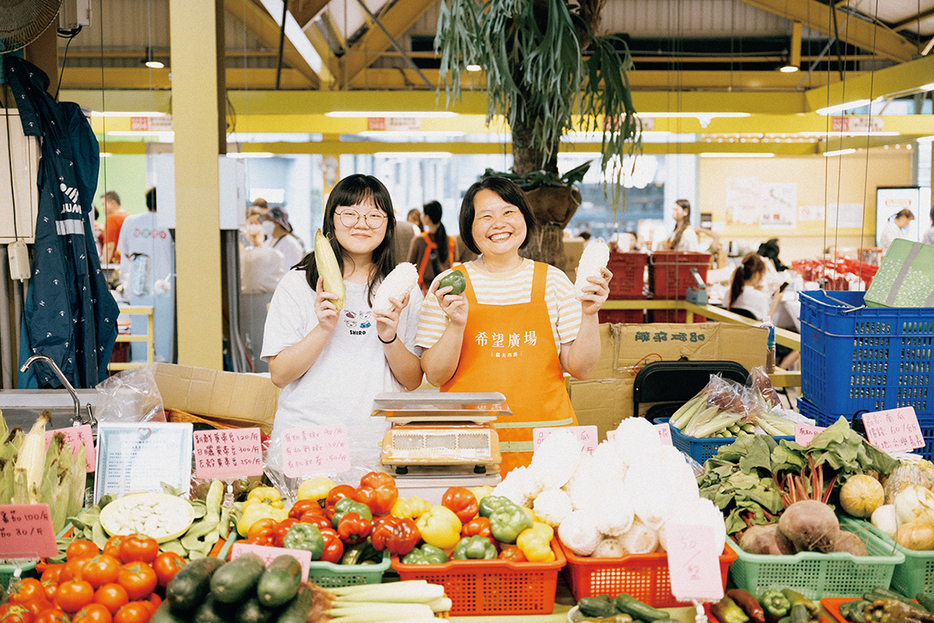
point(894, 430)
point(268, 554)
point(75, 436)
point(26, 531)
point(664, 433)
point(228, 453)
point(804, 433)
point(694, 563)
point(587, 435)
point(313, 450)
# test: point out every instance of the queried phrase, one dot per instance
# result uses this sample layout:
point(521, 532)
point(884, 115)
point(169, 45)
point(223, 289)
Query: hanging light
point(788, 68)
point(150, 61)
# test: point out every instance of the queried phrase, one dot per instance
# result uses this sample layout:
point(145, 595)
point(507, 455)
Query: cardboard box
point(604, 399)
point(905, 278)
point(230, 398)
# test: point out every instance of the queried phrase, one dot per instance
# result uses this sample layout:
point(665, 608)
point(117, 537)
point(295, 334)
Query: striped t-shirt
point(564, 310)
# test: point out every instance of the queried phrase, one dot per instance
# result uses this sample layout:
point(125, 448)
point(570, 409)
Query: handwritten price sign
point(894, 430)
point(75, 436)
point(694, 563)
point(315, 450)
point(664, 433)
point(26, 531)
point(587, 435)
point(228, 453)
point(268, 554)
point(804, 433)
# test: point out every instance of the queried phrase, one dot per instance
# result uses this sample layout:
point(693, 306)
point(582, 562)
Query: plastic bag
point(130, 396)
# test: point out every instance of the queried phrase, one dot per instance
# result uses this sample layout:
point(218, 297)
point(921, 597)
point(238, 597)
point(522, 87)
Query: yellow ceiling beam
point(892, 81)
point(306, 10)
point(859, 32)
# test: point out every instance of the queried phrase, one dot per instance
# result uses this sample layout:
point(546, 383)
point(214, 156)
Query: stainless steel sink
point(22, 407)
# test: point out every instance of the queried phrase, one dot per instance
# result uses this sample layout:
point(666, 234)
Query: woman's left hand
point(596, 292)
point(387, 320)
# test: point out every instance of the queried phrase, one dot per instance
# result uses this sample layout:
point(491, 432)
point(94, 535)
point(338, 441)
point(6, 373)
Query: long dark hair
point(350, 191)
point(508, 192)
point(752, 265)
point(681, 225)
point(432, 210)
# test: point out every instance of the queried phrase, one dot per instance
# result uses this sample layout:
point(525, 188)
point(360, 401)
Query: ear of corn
point(329, 269)
point(30, 464)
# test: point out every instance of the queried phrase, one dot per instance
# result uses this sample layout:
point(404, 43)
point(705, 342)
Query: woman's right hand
point(325, 308)
point(454, 306)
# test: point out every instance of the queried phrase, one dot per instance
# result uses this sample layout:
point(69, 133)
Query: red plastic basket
point(492, 587)
point(625, 316)
point(672, 316)
point(644, 576)
point(670, 274)
point(628, 274)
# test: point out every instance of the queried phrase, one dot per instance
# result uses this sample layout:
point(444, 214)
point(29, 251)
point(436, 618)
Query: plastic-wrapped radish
point(595, 257)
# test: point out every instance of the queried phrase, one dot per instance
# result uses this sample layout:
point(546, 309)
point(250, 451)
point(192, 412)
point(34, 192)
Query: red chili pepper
point(335, 495)
point(304, 506)
point(378, 491)
point(280, 529)
point(316, 519)
point(479, 526)
point(513, 554)
point(398, 535)
point(333, 546)
point(462, 501)
point(353, 528)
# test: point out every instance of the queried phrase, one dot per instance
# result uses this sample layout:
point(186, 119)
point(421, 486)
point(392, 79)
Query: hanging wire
point(9, 143)
point(100, 11)
point(841, 58)
point(70, 35)
point(872, 75)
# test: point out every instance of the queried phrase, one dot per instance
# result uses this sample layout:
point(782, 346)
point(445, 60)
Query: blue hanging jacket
point(69, 315)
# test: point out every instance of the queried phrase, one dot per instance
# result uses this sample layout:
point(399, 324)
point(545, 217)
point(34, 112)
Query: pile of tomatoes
point(120, 584)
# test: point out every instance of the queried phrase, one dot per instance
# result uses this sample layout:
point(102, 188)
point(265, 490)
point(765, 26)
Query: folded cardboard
point(905, 277)
point(604, 399)
point(229, 398)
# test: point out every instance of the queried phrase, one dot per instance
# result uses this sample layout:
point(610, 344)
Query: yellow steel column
point(197, 89)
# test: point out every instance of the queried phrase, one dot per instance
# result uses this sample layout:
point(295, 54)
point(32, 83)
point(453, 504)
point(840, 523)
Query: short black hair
point(151, 199)
point(508, 192)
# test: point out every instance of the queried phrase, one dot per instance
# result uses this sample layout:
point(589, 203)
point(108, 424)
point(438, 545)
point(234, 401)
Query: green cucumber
point(251, 611)
point(596, 607)
point(627, 604)
point(213, 611)
point(235, 580)
point(279, 582)
point(297, 610)
point(925, 601)
point(191, 584)
point(164, 614)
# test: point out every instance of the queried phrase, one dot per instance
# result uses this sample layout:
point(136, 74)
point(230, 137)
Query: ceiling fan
point(24, 21)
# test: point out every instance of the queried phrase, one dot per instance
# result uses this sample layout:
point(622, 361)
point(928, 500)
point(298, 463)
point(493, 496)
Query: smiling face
point(498, 227)
point(359, 239)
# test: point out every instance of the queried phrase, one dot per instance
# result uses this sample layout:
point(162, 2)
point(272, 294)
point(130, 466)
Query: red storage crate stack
point(628, 284)
point(669, 279)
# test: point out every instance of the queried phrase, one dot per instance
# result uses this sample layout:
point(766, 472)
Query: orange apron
point(431, 245)
point(511, 350)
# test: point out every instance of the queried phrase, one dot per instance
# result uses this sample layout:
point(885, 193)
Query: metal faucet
point(76, 420)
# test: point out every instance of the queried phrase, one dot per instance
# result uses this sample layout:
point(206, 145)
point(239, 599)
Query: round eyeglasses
point(350, 218)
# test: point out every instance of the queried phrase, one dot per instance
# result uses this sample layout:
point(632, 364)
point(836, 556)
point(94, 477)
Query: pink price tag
point(268, 554)
point(228, 453)
point(75, 436)
point(804, 433)
point(26, 531)
point(694, 563)
point(894, 430)
point(664, 433)
point(587, 435)
point(315, 450)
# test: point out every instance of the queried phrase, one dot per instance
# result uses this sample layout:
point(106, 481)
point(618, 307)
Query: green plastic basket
point(27, 569)
point(916, 574)
point(818, 575)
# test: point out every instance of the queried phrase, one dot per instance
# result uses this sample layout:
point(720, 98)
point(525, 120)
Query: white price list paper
point(141, 456)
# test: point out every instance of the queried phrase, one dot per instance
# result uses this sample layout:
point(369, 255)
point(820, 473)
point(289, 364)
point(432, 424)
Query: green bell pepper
point(349, 505)
point(425, 555)
point(474, 548)
point(456, 280)
point(775, 604)
point(492, 503)
point(306, 537)
point(507, 522)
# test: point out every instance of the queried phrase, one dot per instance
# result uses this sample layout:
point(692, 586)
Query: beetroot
point(810, 525)
point(849, 543)
point(766, 540)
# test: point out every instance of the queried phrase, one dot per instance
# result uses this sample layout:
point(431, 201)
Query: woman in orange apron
point(517, 326)
point(434, 251)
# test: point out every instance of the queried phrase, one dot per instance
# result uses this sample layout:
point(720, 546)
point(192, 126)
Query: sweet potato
point(810, 525)
point(766, 540)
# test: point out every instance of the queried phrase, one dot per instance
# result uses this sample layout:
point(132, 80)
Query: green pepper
point(728, 611)
point(349, 505)
point(507, 522)
point(474, 548)
point(425, 555)
point(306, 537)
point(493, 502)
point(456, 280)
point(775, 604)
point(813, 609)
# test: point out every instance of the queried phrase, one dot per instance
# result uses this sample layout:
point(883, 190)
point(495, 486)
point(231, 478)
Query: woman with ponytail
point(434, 251)
point(684, 238)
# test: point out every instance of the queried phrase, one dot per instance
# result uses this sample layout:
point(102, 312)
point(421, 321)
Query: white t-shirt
point(753, 300)
point(146, 249)
point(350, 371)
point(261, 269)
point(290, 248)
point(890, 232)
point(688, 241)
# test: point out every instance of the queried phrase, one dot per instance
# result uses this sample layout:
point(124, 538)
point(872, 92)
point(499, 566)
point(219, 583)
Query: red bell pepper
point(260, 532)
point(378, 491)
point(333, 546)
point(478, 526)
point(512, 554)
point(353, 528)
point(462, 501)
point(335, 495)
point(303, 506)
point(398, 535)
point(316, 519)
point(280, 529)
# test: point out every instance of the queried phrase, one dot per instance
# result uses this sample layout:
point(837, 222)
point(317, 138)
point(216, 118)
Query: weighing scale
point(441, 433)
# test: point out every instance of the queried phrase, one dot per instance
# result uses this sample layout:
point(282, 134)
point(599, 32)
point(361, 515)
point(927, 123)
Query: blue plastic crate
point(856, 358)
point(701, 449)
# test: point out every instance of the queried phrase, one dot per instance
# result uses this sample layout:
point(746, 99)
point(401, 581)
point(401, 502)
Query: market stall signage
point(694, 563)
point(75, 436)
point(663, 429)
point(587, 435)
point(894, 430)
point(26, 531)
point(313, 450)
point(268, 554)
point(804, 433)
point(229, 453)
point(142, 456)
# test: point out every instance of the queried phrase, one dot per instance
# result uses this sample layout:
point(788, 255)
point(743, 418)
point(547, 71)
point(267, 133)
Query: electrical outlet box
point(19, 204)
point(19, 260)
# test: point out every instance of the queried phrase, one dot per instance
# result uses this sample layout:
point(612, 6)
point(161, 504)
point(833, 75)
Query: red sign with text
point(228, 453)
point(75, 436)
point(315, 450)
point(26, 531)
point(694, 563)
point(587, 435)
point(268, 554)
point(894, 430)
point(804, 433)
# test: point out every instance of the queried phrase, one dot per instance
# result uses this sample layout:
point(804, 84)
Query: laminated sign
point(905, 278)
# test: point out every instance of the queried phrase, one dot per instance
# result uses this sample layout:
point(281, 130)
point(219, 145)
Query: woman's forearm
point(580, 356)
point(291, 363)
point(440, 361)
point(404, 364)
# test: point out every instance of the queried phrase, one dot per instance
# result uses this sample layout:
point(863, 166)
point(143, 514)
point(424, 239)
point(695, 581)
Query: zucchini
point(595, 607)
point(627, 604)
point(191, 584)
point(279, 582)
point(213, 611)
point(853, 611)
point(251, 611)
point(800, 614)
point(235, 580)
point(882, 593)
point(164, 614)
point(297, 610)
point(925, 601)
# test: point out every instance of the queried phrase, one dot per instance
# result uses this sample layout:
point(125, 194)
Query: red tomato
point(51, 573)
point(52, 615)
point(138, 579)
point(72, 569)
point(155, 600)
point(50, 588)
point(100, 570)
point(80, 548)
point(112, 546)
point(133, 612)
point(25, 590)
point(39, 605)
point(166, 565)
point(16, 613)
point(113, 596)
point(73, 595)
point(138, 547)
point(93, 613)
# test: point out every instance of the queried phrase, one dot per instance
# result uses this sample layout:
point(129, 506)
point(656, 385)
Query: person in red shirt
point(114, 215)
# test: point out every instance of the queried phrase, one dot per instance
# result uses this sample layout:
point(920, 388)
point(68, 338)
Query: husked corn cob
point(30, 464)
point(329, 269)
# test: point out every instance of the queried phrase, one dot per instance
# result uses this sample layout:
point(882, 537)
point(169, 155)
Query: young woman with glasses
point(331, 363)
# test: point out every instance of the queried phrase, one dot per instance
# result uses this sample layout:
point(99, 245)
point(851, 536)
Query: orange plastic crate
point(628, 274)
point(492, 587)
point(670, 273)
point(644, 576)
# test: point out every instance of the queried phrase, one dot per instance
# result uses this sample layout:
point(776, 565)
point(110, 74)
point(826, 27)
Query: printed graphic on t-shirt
point(357, 321)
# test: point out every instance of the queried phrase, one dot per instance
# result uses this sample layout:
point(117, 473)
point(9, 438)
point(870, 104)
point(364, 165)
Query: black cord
point(9, 142)
point(70, 35)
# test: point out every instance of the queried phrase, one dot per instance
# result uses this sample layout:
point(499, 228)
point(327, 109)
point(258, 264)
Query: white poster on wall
point(840, 215)
point(779, 202)
point(811, 213)
point(742, 200)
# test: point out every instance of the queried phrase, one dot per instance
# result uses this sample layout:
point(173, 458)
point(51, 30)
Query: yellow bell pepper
point(410, 508)
point(547, 531)
point(530, 513)
point(535, 546)
point(315, 488)
point(254, 511)
point(440, 527)
point(481, 492)
point(266, 495)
